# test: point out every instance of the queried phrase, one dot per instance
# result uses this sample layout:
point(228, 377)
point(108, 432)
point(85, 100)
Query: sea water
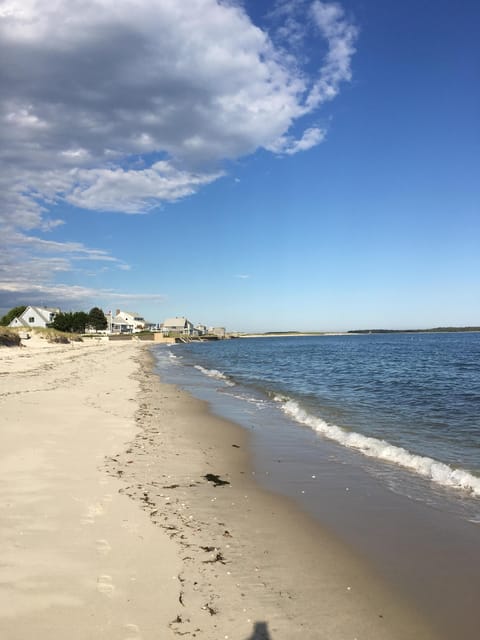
point(411, 400)
point(377, 436)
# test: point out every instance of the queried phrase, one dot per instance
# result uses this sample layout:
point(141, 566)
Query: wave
point(173, 358)
point(214, 373)
point(436, 471)
point(260, 404)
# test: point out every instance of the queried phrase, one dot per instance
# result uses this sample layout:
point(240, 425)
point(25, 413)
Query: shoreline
point(87, 427)
point(420, 537)
point(250, 556)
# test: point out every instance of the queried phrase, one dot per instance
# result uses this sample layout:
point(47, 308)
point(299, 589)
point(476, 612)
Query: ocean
point(377, 436)
point(411, 400)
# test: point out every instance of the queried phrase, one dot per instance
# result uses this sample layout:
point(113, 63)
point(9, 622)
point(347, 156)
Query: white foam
point(260, 404)
point(214, 373)
point(434, 470)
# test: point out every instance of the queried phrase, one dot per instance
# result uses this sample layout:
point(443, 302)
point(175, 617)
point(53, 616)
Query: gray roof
point(175, 322)
point(119, 320)
point(44, 312)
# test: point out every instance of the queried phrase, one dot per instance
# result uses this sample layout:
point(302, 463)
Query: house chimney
point(117, 312)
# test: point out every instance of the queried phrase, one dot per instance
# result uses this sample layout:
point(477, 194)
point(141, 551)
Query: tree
point(62, 322)
point(11, 315)
point(97, 319)
point(79, 321)
point(70, 322)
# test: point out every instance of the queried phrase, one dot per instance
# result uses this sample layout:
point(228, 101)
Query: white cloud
point(134, 191)
point(67, 296)
point(30, 265)
point(289, 146)
point(341, 36)
point(124, 104)
point(288, 24)
point(89, 84)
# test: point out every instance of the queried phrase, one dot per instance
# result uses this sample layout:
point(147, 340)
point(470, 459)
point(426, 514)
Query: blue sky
point(259, 165)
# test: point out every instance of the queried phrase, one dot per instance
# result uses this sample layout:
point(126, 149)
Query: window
point(31, 320)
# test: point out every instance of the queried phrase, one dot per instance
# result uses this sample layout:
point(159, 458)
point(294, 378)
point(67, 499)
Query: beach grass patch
point(9, 338)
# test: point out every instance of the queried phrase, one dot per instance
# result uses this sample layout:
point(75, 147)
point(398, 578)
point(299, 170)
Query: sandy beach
point(130, 512)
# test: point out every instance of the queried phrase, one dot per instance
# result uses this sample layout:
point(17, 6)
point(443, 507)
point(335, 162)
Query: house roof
point(175, 322)
point(136, 317)
point(43, 312)
point(46, 311)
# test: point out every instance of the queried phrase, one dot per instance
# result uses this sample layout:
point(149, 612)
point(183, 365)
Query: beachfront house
point(220, 332)
point(179, 326)
point(201, 329)
point(35, 317)
point(126, 322)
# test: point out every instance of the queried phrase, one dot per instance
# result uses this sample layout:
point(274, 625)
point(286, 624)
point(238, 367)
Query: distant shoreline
point(287, 334)
point(434, 330)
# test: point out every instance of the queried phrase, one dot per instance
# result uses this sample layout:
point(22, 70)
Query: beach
point(129, 511)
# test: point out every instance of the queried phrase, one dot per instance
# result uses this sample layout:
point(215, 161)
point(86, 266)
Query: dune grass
point(9, 338)
point(50, 335)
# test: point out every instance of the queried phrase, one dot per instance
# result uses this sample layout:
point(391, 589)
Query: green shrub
point(11, 315)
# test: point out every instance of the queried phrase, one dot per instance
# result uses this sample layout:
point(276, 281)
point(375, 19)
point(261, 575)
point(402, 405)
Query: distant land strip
point(434, 330)
point(285, 334)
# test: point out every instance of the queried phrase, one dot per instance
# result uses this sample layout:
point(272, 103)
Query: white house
point(178, 325)
point(35, 317)
point(201, 329)
point(126, 322)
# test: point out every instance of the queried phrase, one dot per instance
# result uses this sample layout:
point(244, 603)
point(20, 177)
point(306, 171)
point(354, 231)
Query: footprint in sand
point(103, 546)
point(105, 585)
point(133, 632)
point(93, 510)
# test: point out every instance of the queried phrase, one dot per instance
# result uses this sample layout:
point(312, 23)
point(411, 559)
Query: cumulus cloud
point(134, 191)
point(120, 105)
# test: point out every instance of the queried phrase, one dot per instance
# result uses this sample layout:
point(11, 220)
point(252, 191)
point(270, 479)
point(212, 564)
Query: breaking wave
point(214, 373)
point(434, 470)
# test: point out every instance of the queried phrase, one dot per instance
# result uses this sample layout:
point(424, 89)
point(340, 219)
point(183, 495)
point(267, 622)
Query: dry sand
point(86, 427)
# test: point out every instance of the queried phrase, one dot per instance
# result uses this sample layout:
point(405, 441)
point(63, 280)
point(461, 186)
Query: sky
point(259, 165)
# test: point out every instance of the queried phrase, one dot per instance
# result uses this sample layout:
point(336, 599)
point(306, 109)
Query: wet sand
point(250, 557)
point(130, 512)
point(429, 551)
